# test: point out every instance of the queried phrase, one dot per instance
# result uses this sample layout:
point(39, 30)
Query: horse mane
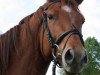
point(9, 39)
point(7, 45)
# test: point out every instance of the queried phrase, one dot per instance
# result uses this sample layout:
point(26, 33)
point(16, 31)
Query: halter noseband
point(54, 43)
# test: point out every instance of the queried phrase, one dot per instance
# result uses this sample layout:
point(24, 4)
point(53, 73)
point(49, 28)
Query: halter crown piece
point(54, 43)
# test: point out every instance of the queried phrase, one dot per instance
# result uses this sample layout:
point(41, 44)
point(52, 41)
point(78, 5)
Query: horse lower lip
point(69, 73)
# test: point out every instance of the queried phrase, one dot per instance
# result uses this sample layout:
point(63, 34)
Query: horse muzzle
point(73, 62)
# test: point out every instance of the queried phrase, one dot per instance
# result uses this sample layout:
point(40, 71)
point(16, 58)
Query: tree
point(93, 66)
point(93, 48)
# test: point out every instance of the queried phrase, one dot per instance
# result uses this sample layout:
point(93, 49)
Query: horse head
point(62, 34)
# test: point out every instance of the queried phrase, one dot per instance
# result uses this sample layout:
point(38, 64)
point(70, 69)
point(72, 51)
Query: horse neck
point(28, 48)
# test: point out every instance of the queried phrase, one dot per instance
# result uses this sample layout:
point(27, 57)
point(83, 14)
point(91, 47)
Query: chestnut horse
point(53, 32)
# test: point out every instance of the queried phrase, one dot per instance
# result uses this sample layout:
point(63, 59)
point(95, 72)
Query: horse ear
point(79, 1)
point(49, 1)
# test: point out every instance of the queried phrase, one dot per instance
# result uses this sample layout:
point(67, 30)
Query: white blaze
point(67, 8)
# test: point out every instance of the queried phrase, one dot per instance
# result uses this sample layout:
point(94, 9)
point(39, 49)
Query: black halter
point(54, 43)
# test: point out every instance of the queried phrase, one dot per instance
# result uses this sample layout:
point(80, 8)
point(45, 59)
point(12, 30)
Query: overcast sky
point(12, 11)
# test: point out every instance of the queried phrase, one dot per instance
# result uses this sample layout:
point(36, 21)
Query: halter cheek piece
point(54, 43)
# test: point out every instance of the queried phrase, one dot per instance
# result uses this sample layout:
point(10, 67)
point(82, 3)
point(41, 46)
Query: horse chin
point(71, 68)
point(69, 71)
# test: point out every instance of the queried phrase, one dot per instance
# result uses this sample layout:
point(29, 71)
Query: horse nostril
point(69, 55)
point(84, 60)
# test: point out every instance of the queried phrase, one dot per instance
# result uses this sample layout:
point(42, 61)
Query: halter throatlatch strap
point(45, 23)
point(51, 40)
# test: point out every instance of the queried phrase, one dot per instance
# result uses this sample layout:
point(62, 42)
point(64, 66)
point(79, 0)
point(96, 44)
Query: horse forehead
point(67, 8)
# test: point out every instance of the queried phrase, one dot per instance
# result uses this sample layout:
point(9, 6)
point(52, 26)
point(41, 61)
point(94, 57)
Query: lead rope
point(54, 63)
point(54, 68)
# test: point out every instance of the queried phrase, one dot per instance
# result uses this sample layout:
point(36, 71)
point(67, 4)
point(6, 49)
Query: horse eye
point(51, 17)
